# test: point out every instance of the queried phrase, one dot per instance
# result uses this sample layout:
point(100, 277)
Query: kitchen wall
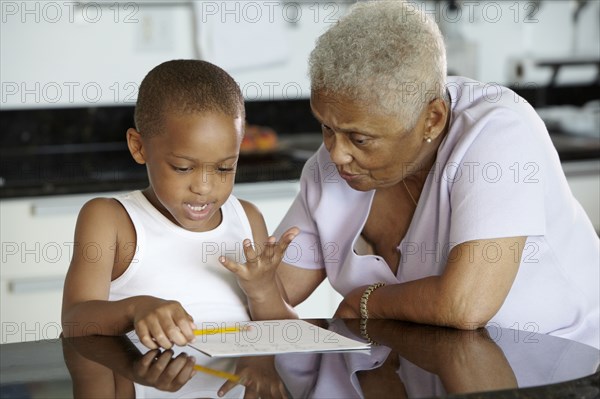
point(95, 53)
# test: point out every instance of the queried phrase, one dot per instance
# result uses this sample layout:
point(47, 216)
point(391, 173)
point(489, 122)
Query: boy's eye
point(181, 169)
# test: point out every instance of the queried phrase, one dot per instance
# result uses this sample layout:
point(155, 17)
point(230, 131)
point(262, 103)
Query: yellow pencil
point(210, 331)
point(218, 373)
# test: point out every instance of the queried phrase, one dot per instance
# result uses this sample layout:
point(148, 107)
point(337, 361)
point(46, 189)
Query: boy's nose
point(202, 182)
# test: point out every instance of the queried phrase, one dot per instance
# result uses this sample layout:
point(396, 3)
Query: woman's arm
point(299, 283)
point(98, 251)
point(470, 291)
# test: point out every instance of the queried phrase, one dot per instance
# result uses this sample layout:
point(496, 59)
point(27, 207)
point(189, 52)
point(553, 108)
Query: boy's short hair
point(185, 86)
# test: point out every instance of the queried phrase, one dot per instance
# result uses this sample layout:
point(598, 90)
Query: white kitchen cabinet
point(37, 242)
point(584, 180)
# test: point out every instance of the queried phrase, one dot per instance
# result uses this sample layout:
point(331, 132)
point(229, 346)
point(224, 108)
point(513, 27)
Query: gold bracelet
point(365, 334)
point(364, 313)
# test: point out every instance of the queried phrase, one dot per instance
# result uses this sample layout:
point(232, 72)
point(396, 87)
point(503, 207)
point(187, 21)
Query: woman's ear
point(437, 116)
point(135, 144)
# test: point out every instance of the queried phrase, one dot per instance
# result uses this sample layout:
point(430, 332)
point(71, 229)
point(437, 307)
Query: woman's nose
point(339, 151)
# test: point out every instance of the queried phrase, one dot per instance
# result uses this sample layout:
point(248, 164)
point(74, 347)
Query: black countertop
point(83, 150)
point(111, 168)
point(405, 360)
point(105, 167)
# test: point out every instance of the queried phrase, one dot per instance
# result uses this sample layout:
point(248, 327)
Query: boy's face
point(191, 166)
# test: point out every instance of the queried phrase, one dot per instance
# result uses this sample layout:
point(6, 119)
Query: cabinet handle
point(34, 285)
point(270, 190)
point(55, 209)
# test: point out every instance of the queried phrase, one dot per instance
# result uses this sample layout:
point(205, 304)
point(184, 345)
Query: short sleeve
point(305, 251)
point(497, 188)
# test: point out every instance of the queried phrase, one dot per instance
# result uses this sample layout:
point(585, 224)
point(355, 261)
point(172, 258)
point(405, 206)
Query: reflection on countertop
point(404, 360)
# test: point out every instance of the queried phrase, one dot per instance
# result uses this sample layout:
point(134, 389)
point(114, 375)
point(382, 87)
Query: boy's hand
point(260, 269)
point(259, 376)
point(163, 371)
point(162, 323)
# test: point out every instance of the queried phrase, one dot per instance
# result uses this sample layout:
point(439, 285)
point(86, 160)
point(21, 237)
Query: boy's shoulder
point(255, 218)
point(249, 208)
point(102, 209)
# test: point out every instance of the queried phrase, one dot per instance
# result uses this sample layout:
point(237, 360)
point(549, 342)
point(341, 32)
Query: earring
point(428, 139)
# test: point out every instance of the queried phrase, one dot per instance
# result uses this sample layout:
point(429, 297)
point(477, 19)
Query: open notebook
point(272, 337)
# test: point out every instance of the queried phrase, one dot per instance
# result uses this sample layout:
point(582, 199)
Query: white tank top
point(173, 263)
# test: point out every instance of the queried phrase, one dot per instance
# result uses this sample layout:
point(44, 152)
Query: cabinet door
point(37, 243)
point(584, 180)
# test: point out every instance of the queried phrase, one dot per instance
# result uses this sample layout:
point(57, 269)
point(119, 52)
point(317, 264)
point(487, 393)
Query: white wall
point(59, 53)
point(503, 34)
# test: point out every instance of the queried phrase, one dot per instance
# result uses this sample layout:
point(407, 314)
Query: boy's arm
point(258, 277)
point(86, 309)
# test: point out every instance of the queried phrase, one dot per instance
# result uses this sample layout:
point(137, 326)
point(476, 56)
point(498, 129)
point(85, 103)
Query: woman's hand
point(259, 272)
point(349, 308)
point(162, 371)
point(259, 376)
point(162, 323)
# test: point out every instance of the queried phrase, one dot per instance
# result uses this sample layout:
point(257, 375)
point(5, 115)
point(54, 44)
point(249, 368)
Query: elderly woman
point(434, 199)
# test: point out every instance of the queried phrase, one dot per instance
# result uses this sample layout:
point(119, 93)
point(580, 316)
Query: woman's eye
point(326, 129)
point(360, 140)
point(225, 169)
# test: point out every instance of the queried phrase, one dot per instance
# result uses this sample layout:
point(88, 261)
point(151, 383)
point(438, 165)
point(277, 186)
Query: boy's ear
point(136, 147)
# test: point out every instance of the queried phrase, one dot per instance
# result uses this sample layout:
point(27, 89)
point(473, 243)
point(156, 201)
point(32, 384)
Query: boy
point(157, 264)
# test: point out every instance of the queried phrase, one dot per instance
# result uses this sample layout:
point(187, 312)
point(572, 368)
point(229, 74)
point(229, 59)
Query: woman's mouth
point(348, 176)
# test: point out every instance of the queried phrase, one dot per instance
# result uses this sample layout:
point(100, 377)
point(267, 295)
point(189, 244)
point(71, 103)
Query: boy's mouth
point(197, 208)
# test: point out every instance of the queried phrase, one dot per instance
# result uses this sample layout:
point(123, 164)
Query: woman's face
point(370, 150)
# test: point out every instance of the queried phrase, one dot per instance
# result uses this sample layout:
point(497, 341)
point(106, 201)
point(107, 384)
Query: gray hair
point(387, 52)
